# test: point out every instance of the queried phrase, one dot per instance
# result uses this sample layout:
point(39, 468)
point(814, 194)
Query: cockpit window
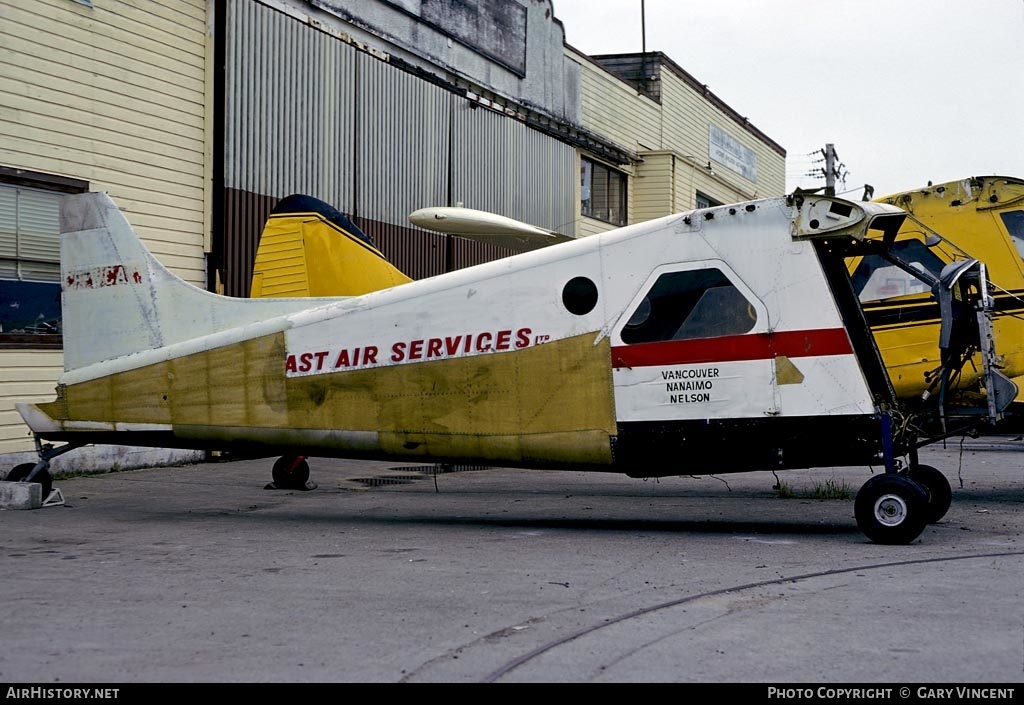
point(700, 303)
point(1014, 222)
point(876, 279)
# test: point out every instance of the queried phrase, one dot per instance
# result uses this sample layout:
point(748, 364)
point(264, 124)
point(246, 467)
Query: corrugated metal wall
point(305, 112)
point(244, 215)
point(288, 107)
point(402, 143)
point(503, 166)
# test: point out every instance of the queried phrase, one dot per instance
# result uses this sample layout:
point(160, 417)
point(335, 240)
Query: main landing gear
point(940, 494)
point(895, 508)
point(23, 473)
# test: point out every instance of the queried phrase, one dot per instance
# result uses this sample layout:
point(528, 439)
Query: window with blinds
point(30, 313)
point(29, 234)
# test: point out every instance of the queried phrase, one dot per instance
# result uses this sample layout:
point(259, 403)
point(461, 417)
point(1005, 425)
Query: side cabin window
point(698, 303)
point(1014, 222)
point(877, 279)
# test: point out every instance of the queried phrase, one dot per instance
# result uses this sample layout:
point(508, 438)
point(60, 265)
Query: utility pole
point(830, 169)
point(642, 84)
point(833, 168)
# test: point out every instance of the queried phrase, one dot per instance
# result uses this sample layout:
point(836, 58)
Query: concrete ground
point(387, 573)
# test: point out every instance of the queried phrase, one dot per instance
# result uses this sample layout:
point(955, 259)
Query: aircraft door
point(691, 345)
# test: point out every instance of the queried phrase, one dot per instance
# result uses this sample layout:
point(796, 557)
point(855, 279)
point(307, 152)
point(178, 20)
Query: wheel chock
point(55, 499)
point(21, 495)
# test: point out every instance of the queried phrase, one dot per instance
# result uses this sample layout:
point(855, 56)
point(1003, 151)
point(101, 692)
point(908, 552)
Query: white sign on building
point(731, 153)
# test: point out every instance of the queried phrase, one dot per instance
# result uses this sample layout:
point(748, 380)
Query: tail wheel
point(291, 472)
point(20, 472)
point(935, 484)
point(891, 509)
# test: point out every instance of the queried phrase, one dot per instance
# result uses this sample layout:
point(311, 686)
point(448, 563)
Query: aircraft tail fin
point(117, 299)
point(309, 248)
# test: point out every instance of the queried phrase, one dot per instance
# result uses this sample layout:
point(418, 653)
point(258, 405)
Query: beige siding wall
point(613, 110)
point(673, 141)
point(24, 376)
point(653, 187)
point(687, 117)
point(118, 95)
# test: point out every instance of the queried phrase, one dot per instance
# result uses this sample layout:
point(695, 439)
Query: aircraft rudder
point(111, 285)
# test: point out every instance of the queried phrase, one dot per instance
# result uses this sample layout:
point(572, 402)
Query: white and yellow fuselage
point(702, 342)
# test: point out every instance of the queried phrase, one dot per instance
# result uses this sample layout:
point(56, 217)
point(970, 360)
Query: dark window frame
point(675, 307)
point(11, 176)
point(599, 179)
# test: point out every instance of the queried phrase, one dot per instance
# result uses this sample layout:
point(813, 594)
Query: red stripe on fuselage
point(734, 348)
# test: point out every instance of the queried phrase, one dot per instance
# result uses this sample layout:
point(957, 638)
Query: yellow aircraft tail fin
point(309, 248)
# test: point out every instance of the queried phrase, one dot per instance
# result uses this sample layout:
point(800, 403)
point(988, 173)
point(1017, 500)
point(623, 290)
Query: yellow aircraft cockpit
point(978, 217)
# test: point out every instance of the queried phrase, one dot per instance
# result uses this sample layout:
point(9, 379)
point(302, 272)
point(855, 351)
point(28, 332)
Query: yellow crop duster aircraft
point(983, 216)
point(721, 340)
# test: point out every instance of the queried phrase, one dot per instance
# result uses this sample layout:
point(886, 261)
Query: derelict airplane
point(980, 215)
point(722, 340)
point(904, 317)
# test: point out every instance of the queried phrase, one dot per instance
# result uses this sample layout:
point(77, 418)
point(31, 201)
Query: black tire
point(935, 484)
point(20, 472)
point(291, 472)
point(891, 509)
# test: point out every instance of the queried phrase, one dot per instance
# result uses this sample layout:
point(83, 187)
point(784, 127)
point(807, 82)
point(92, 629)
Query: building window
point(704, 201)
point(697, 303)
point(603, 192)
point(30, 315)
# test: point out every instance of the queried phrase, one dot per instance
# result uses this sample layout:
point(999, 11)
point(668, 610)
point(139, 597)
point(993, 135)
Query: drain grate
point(441, 468)
point(411, 473)
point(378, 480)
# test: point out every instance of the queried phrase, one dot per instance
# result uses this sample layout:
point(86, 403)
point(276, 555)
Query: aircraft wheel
point(935, 484)
point(20, 472)
point(891, 509)
point(291, 472)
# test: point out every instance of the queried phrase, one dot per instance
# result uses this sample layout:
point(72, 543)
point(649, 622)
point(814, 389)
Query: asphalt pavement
point(391, 573)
